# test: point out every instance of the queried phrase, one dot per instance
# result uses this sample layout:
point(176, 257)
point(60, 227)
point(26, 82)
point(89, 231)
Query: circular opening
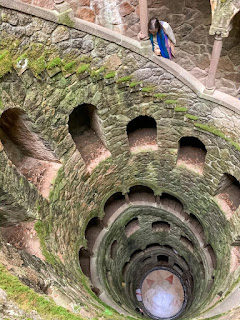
point(162, 294)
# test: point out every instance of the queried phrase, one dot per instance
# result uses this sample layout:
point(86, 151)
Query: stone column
point(216, 52)
point(143, 11)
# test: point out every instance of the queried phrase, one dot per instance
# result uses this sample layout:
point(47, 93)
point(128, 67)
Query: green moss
point(218, 133)
point(210, 129)
point(110, 75)
point(134, 84)
point(191, 116)
point(43, 233)
point(1, 104)
point(56, 62)
point(147, 89)
point(124, 79)
point(82, 68)
point(5, 63)
point(180, 109)
point(96, 73)
point(38, 66)
point(86, 59)
point(70, 66)
point(170, 101)
point(28, 300)
point(64, 18)
point(160, 95)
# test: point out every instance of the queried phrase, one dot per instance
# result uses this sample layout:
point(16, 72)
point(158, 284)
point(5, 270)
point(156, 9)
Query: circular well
point(162, 294)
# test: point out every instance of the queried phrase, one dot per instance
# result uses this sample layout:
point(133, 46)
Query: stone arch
point(191, 153)
point(93, 229)
point(113, 203)
point(27, 150)
point(86, 130)
point(228, 194)
point(84, 260)
point(141, 193)
point(160, 226)
point(142, 133)
point(131, 227)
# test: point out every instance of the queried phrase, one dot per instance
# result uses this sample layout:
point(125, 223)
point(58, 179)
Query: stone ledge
point(218, 97)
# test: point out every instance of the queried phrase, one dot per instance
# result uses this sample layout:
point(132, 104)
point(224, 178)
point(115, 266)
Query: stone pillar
point(143, 11)
point(216, 52)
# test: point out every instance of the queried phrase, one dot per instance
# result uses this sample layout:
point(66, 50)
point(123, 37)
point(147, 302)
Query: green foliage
point(160, 95)
point(5, 63)
point(38, 66)
point(110, 75)
point(124, 79)
point(218, 133)
point(70, 66)
point(28, 299)
point(191, 116)
point(170, 101)
point(96, 73)
point(82, 68)
point(134, 84)
point(56, 62)
point(180, 109)
point(147, 89)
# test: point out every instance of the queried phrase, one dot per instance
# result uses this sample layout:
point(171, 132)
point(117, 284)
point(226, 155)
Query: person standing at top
point(161, 37)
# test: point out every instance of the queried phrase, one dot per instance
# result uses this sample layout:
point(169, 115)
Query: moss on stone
point(38, 66)
point(86, 59)
point(29, 300)
point(147, 89)
point(170, 101)
point(191, 116)
point(110, 75)
point(56, 62)
point(180, 109)
point(64, 18)
point(5, 63)
point(70, 66)
point(124, 79)
point(43, 233)
point(96, 73)
point(218, 133)
point(160, 95)
point(82, 68)
point(134, 84)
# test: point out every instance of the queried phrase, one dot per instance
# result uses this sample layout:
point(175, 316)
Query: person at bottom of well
point(162, 38)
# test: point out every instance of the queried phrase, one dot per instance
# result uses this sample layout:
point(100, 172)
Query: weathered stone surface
point(125, 8)
point(86, 14)
point(61, 33)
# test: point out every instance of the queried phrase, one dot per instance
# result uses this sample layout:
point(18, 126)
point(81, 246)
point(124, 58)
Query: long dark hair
point(154, 24)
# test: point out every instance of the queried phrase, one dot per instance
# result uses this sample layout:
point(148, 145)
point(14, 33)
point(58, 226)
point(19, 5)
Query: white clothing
point(168, 30)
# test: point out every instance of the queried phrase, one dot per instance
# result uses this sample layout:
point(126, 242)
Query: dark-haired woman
point(162, 38)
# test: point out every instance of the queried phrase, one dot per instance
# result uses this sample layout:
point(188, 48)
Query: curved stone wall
point(56, 69)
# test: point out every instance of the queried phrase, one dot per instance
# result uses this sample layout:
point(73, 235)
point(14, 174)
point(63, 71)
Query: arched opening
point(212, 256)
point(160, 226)
point(187, 243)
point(191, 153)
point(196, 224)
point(132, 227)
point(153, 246)
point(136, 253)
point(84, 259)
point(85, 129)
point(94, 227)
point(228, 194)
point(142, 134)
point(27, 150)
point(141, 193)
point(170, 202)
point(162, 259)
point(112, 205)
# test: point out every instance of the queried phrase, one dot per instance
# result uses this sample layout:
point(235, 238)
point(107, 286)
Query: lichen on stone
point(5, 63)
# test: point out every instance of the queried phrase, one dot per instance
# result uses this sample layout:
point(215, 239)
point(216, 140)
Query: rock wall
point(190, 21)
point(48, 70)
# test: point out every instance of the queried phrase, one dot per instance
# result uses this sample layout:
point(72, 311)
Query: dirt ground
point(91, 148)
point(193, 157)
point(143, 138)
point(23, 237)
